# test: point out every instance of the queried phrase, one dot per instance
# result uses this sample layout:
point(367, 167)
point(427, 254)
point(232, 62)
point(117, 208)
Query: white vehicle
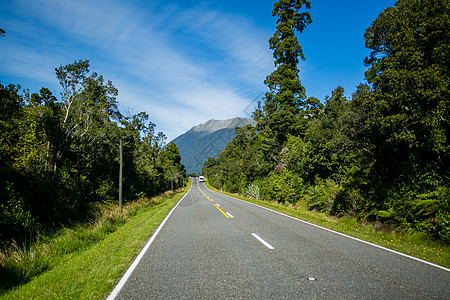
point(201, 178)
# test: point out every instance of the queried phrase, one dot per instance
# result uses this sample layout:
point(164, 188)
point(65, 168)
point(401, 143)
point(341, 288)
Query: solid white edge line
point(345, 235)
point(130, 270)
point(263, 241)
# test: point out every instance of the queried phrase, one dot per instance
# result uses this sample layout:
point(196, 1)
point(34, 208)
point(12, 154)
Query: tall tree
point(409, 72)
point(11, 111)
point(285, 99)
point(88, 104)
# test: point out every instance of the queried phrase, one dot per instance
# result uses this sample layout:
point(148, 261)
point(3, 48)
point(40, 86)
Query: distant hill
point(206, 140)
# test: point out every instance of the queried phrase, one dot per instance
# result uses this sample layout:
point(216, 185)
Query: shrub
point(252, 191)
point(322, 195)
point(283, 186)
point(15, 220)
point(432, 214)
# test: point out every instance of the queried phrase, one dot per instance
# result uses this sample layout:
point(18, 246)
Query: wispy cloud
point(181, 65)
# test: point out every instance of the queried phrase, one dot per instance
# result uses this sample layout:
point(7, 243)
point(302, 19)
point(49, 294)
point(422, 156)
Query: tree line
point(60, 156)
point(382, 155)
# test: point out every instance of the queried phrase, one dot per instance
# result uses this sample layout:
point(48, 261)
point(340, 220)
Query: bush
point(322, 195)
point(285, 186)
point(106, 190)
point(252, 191)
point(15, 220)
point(349, 200)
point(432, 214)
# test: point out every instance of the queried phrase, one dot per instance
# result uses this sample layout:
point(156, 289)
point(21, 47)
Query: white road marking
point(263, 241)
point(231, 216)
point(345, 235)
point(218, 205)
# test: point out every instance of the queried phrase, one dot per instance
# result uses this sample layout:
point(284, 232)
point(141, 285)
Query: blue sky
point(183, 62)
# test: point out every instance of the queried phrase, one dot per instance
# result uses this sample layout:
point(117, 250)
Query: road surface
point(213, 246)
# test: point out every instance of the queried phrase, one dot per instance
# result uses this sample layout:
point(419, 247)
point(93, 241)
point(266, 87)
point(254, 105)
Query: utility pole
point(120, 176)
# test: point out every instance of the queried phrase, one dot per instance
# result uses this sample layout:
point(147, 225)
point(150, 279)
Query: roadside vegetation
point(380, 158)
point(60, 157)
point(86, 260)
point(59, 170)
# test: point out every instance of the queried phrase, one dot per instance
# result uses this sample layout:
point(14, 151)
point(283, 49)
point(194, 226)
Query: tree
point(384, 154)
point(88, 104)
point(172, 163)
point(282, 104)
point(255, 152)
point(71, 78)
point(57, 157)
point(408, 64)
point(11, 111)
point(14, 216)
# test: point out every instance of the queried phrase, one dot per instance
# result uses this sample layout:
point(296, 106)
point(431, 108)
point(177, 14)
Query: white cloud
point(181, 66)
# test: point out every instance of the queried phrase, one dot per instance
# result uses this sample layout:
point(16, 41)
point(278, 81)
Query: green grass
point(414, 244)
point(86, 262)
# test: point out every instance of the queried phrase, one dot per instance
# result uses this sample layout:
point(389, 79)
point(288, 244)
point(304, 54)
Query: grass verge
point(414, 244)
point(81, 263)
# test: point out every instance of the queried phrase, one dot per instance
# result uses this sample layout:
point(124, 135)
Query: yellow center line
point(221, 211)
point(198, 184)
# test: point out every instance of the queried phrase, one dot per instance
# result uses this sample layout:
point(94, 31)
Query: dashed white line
point(345, 235)
point(230, 215)
point(263, 241)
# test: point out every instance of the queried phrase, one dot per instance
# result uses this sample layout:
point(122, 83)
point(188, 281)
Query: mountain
point(206, 140)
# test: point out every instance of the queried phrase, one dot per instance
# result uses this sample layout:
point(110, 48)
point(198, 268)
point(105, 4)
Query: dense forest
point(382, 155)
point(60, 156)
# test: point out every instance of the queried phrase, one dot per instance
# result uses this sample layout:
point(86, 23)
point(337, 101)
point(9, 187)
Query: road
point(213, 246)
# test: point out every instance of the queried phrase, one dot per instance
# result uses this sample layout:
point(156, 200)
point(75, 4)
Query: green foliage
point(96, 260)
point(283, 103)
point(409, 71)
point(106, 190)
point(383, 155)
point(57, 157)
point(252, 191)
point(283, 186)
point(322, 195)
point(21, 264)
point(15, 221)
point(432, 214)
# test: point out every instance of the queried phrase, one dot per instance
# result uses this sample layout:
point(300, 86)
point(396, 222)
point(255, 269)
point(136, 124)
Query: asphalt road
point(215, 247)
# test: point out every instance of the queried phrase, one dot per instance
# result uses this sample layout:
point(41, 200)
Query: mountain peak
point(207, 140)
point(215, 125)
